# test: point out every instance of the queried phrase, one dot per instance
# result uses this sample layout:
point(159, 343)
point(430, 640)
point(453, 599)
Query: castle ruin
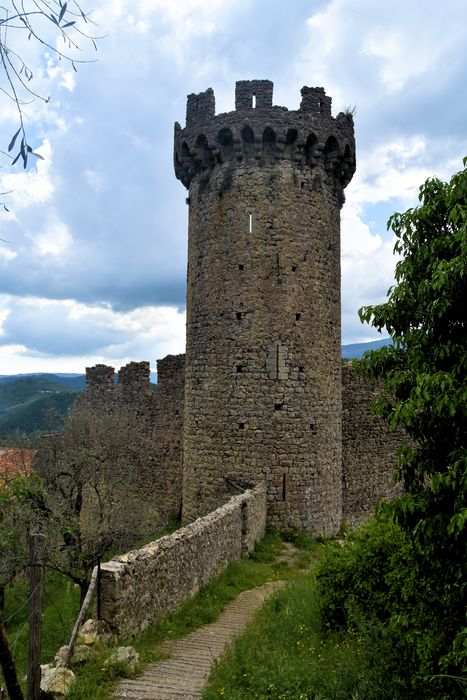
point(263, 356)
point(262, 396)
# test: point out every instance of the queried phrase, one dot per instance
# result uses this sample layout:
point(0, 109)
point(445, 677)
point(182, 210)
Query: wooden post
point(8, 667)
point(36, 573)
point(81, 615)
point(98, 606)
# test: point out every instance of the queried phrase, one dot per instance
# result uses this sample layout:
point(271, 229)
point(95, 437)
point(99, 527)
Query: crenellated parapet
point(100, 378)
point(309, 137)
point(134, 379)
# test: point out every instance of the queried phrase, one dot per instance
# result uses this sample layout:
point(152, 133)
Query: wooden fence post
point(36, 575)
point(8, 667)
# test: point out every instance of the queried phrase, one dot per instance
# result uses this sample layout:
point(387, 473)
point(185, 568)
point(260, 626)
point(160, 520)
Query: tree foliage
point(22, 509)
point(425, 392)
point(61, 29)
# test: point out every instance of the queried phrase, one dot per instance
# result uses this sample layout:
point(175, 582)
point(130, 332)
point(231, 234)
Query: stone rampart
point(144, 585)
point(369, 450)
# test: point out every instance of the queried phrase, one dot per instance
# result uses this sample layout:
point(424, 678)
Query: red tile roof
point(15, 460)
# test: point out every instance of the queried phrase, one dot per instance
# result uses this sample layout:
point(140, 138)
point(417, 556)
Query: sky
point(93, 263)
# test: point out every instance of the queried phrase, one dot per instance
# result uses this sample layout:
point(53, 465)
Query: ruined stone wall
point(263, 385)
point(169, 427)
point(369, 450)
point(123, 442)
point(144, 585)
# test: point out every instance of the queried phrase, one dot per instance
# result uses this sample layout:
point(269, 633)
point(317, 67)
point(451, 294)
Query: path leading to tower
point(183, 675)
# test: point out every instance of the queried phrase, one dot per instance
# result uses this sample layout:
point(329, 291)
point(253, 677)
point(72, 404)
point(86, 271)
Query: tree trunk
point(8, 667)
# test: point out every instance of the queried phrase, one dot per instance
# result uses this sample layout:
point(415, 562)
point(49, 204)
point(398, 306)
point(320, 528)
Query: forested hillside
point(35, 403)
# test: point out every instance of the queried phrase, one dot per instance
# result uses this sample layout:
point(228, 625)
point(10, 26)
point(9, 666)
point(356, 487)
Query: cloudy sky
point(94, 264)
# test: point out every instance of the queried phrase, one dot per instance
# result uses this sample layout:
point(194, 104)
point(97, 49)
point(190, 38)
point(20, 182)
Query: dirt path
point(184, 674)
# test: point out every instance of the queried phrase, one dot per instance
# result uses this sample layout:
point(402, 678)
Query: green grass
point(252, 571)
point(95, 681)
point(60, 610)
point(287, 654)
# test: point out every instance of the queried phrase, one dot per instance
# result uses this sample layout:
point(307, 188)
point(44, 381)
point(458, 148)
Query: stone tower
point(263, 366)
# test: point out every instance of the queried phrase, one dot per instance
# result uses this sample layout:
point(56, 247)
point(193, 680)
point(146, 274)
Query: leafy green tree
point(22, 509)
point(425, 392)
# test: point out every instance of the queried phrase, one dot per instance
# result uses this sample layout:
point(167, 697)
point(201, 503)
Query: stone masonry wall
point(146, 584)
point(263, 385)
point(131, 437)
point(369, 451)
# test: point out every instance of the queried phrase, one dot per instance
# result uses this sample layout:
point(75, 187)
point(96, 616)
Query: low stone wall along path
point(184, 674)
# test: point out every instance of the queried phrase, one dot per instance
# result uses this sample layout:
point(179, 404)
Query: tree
point(22, 509)
point(425, 392)
point(61, 29)
point(94, 473)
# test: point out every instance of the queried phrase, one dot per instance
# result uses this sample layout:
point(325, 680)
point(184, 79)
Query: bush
point(374, 586)
point(355, 576)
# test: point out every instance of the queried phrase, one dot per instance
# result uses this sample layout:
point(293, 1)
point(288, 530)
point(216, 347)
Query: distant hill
point(72, 381)
point(356, 350)
point(28, 402)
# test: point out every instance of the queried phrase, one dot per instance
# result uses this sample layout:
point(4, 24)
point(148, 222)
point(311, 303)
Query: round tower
point(263, 365)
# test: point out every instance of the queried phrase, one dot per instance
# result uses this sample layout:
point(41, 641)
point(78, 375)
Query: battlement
point(258, 131)
point(315, 100)
point(253, 94)
point(134, 379)
point(100, 377)
point(200, 108)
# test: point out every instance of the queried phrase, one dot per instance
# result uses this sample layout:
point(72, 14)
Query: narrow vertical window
point(253, 101)
point(250, 223)
point(284, 487)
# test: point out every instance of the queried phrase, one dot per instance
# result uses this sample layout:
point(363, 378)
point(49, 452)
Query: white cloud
point(368, 264)
point(55, 239)
point(41, 328)
point(395, 170)
point(6, 253)
point(35, 186)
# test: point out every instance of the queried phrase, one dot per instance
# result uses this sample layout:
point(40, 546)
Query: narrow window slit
point(239, 315)
point(284, 486)
point(250, 223)
point(253, 101)
point(298, 317)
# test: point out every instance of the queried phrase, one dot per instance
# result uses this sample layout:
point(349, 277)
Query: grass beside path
point(288, 653)
point(93, 681)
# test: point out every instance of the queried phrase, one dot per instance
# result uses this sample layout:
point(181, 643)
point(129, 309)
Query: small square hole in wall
point(239, 315)
point(241, 426)
point(278, 406)
point(241, 266)
point(239, 369)
point(294, 268)
point(298, 317)
point(301, 370)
